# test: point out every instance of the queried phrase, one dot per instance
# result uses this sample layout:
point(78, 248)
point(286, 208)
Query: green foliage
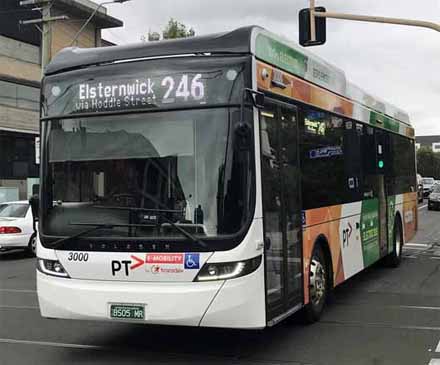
point(175, 29)
point(428, 163)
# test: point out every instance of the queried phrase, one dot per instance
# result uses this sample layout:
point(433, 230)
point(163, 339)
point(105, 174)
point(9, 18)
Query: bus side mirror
point(34, 202)
point(259, 100)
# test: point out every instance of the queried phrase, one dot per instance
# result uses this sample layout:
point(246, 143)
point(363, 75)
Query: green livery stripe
point(370, 231)
point(379, 119)
point(280, 55)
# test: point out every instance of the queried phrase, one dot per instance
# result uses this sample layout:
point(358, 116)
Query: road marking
point(18, 291)
point(423, 206)
point(18, 307)
point(380, 325)
point(417, 244)
point(389, 306)
point(52, 344)
point(434, 362)
point(418, 307)
point(437, 349)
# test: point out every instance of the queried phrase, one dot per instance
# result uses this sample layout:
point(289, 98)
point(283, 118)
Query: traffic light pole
point(364, 18)
point(312, 21)
point(377, 19)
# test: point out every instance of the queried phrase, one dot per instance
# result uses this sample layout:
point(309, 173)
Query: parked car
point(17, 227)
point(419, 188)
point(434, 198)
point(428, 183)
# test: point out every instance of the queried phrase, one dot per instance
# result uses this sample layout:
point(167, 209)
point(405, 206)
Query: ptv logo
point(126, 265)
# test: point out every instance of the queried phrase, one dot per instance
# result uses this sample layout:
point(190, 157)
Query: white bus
point(219, 181)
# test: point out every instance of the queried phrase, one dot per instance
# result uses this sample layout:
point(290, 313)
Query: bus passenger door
point(281, 208)
point(382, 166)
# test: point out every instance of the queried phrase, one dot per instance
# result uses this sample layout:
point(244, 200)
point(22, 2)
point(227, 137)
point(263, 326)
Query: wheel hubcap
point(317, 281)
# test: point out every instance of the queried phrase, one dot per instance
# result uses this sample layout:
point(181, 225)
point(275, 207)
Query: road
point(381, 316)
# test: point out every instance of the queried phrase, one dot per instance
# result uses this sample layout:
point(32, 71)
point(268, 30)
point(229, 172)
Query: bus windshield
point(141, 170)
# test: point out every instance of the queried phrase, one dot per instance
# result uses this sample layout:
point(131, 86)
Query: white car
point(16, 227)
point(428, 184)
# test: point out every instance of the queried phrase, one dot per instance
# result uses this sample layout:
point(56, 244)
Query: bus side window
point(324, 180)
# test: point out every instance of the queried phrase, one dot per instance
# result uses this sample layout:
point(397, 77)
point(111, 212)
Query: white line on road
point(437, 349)
point(18, 307)
point(417, 307)
point(380, 325)
point(434, 362)
point(423, 206)
point(417, 244)
point(52, 344)
point(18, 291)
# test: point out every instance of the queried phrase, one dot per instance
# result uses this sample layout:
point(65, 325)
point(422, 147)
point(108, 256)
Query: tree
point(174, 29)
point(428, 163)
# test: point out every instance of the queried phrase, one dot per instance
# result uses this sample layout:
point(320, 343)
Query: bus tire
point(318, 286)
point(32, 246)
point(395, 257)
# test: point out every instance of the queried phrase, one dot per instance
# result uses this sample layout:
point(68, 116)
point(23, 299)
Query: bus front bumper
point(237, 303)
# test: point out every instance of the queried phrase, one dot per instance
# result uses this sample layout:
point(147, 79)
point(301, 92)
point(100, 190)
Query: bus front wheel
point(318, 286)
point(395, 257)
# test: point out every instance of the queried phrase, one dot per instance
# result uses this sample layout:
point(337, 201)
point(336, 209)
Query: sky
point(396, 63)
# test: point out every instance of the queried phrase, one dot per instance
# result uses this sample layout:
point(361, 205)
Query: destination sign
point(140, 93)
point(144, 85)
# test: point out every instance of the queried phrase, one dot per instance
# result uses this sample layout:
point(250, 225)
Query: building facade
point(432, 142)
point(20, 77)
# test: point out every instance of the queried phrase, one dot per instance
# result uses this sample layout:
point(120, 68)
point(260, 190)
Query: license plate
point(127, 311)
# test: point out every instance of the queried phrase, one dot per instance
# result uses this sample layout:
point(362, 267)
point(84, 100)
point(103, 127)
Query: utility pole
point(46, 37)
point(45, 29)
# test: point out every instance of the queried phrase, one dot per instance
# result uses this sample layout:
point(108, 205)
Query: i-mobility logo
point(157, 263)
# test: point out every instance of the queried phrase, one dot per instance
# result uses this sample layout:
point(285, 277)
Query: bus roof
point(266, 46)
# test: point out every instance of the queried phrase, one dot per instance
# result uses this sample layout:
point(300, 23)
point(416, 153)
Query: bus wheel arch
point(323, 243)
point(320, 279)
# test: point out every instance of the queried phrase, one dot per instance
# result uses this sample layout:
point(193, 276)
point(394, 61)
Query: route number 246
point(185, 89)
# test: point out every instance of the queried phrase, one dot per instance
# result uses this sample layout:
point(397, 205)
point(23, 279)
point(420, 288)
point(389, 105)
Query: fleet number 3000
point(78, 256)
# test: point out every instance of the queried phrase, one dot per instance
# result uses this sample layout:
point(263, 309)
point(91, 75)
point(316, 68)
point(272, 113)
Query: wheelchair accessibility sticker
point(192, 261)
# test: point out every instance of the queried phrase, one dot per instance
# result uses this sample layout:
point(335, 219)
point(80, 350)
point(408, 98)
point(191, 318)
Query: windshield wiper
point(160, 213)
point(95, 227)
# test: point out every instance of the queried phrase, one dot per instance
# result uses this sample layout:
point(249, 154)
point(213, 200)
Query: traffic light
point(305, 29)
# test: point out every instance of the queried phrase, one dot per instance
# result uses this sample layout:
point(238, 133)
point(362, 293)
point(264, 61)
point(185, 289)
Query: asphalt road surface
point(381, 316)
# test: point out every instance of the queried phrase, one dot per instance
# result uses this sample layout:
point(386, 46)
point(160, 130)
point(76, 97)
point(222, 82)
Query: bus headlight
point(52, 267)
point(228, 270)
